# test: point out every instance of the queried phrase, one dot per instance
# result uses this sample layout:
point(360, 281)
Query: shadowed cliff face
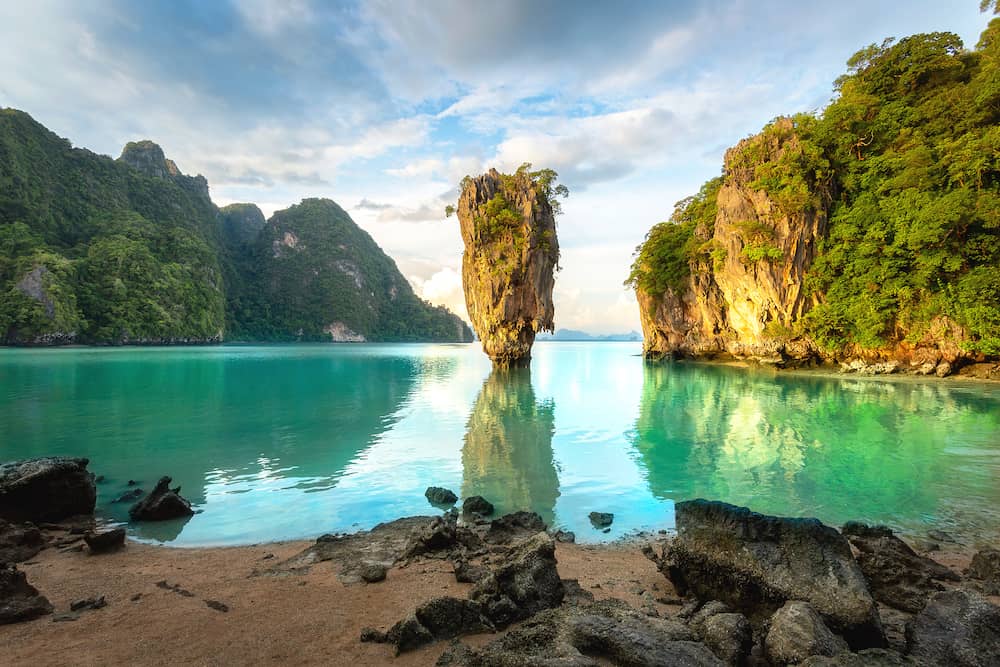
point(507, 455)
point(747, 292)
point(511, 252)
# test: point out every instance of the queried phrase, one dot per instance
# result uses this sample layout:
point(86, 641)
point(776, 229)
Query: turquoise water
point(282, 442)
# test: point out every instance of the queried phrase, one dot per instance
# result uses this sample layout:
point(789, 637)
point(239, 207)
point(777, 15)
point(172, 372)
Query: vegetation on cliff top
point(909, 151)
point(130, 250)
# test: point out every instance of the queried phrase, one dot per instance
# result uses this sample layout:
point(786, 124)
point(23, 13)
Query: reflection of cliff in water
point(507, 455)
point(827, 447)
point(257, 417)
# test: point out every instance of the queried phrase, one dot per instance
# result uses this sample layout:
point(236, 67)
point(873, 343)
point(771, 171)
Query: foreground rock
point(896, 575)
point(511, 251)
point(105, 541)
point(757, 563)
point(604, 632)
point(797, 632)
point(19, 600)
point(46, 489)
point(956, 628)
point(161, 504)
point(523, 581)
point(19, 542)
point(477, 505)
point(985, 567)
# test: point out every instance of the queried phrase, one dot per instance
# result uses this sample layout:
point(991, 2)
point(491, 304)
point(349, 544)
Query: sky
point(383, 106)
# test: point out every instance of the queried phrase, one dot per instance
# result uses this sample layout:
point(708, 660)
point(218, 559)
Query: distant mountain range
point(574, 335)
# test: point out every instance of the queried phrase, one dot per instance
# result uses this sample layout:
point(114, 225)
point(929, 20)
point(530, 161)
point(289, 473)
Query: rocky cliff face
point(147, 157)
point(511, 252)
point(241, 223)
point(746, 295)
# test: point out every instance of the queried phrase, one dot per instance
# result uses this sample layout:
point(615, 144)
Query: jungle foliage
point(908, 156)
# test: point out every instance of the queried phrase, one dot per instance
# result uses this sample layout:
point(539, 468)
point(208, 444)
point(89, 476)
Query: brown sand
point(309, 618)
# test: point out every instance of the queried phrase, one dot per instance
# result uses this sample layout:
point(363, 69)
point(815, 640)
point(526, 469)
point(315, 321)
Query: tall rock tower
point(511, 253)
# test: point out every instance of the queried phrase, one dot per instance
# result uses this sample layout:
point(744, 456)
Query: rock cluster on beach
point(46, 489)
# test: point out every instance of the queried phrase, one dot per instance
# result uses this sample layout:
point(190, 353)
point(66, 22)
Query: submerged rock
point(130, 496)
point(896, 575)
point(601, 519)
point(797, 632)
point(19, 600)
point(477, 505)
point(161, 504)
point(46, 489)
point(757, 563)
point(19, 542)
point(956, 628)
point(440, 496)
point(511, 251)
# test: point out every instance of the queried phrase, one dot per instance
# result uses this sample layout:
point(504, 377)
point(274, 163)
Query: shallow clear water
point(281, 442)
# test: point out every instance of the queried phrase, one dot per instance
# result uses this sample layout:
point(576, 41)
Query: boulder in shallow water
point(601, 519)
point(757, 563)
point(46, 489)
point(161, 504)
point(437, 495)
point(477, 505)
point(897, 576)
point(19, 541)
point(19, 600)
point(956, 628)
point(797, 632)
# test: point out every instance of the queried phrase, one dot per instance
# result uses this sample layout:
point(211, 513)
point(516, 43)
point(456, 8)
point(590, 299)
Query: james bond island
point(508, 224)
point(338, 426)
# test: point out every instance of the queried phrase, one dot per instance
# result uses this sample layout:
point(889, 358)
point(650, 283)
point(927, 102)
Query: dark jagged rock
point(604, 632)
point(162, 504)
point(477, 505)
point(437, 619)
point(601, 519)
point(565, 536)
point(373, 573)
point(985, 567)
point(19, 542)
point(515, 525)
point(956, 628)
point(19, 600)
point(103, 542)
point(522, 583)
point(440, 538)
point(89, 604)
point(798, 632)
point(729, 636)
point(466, 573)
point(896, 575)
point(46, 489)
point(130, 496)
point(757, 563)
point(509, 231)
point(440, 496)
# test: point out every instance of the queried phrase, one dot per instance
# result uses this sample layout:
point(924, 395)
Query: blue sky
point(383, 106)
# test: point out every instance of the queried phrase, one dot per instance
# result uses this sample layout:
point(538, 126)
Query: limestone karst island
point(656, 334)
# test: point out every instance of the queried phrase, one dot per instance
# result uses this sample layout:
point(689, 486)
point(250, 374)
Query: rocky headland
point(511, 253)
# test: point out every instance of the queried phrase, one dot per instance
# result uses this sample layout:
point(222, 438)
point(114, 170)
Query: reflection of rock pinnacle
point(511, 250)
point(507, 456)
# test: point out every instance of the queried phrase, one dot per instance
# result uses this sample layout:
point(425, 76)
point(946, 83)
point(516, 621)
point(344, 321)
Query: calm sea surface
point(281, 442)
